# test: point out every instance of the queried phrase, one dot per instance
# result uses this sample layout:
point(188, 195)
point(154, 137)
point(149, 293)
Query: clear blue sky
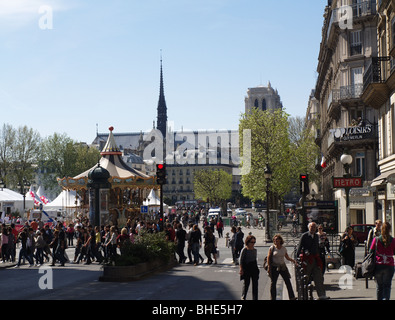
point(99, 64)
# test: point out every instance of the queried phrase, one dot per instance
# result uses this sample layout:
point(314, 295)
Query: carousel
point(121, 198)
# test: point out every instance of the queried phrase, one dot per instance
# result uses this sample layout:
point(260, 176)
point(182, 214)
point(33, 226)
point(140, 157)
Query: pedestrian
point(239, 243)
point(277, 266)
point(384, 270)
point(196, 243)
point(220, 228)
point(373, 232)
point(249, 268)
point(232, 246)
point(347, 245)
point(324, 245)
point(308, 251)
point(79, 237)
point(209, 245)
point(11, 244)
point(70, 234)
point(111, 243)
point(189, 247)
point(23, 236)
point(39, 245)
point(61, 245)
point(122, 238)
point(180, 243)
point(4, 244)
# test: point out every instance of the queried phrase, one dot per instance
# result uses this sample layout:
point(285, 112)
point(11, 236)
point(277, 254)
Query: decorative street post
point(24, 187)
point(98, 179)
point(268, 177)
point(346, 160)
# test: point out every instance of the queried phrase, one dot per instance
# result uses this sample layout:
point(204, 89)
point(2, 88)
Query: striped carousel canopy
point(121, 174)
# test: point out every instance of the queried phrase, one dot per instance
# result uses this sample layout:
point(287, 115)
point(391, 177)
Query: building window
point(263, 105)
point(360, 164)
point(256, 103)
point(356, 115)
point(355, 43)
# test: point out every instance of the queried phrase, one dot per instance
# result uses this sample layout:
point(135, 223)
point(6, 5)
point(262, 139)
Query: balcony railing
point(375, 71)
point(346, 93)
point(359, 10)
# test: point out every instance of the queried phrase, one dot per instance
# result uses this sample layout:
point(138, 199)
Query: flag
point(323, 162)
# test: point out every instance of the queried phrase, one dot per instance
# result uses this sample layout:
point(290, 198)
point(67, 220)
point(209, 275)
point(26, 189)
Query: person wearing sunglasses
point(278, 267)
point(249, 268)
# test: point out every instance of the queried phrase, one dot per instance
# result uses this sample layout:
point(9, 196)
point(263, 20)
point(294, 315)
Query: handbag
point(265, 261)
point(369, 263)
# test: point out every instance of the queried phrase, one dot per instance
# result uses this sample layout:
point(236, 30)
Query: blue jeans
point(24, 253)
point(195, 251)
point(383, 277)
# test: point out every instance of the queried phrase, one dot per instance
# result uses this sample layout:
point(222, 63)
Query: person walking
point(348, 243)
point(220, 228)
point(277, 266)
point(238, 242)
point(308, 251)
point(324, 246)
point(384, 270)
point(180, 242)
point(373, 232)
point(209, 245)
point(249, 268)
point(23, 236)
point(196, 243)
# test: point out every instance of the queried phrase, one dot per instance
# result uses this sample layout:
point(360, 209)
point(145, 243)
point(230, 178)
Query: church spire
point(162, 108)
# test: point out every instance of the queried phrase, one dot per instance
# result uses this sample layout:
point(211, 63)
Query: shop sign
point(347, 182)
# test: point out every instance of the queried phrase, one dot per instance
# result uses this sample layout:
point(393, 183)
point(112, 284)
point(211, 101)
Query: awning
point(382, 178)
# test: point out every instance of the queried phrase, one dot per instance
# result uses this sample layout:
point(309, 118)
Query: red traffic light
point(160, 166)
point(303, 177)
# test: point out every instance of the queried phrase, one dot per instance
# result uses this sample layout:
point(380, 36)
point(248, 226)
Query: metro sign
point(347, 182)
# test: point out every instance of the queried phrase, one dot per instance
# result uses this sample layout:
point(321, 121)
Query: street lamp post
point(24, 187)
point(268, 177)
point(346, 160)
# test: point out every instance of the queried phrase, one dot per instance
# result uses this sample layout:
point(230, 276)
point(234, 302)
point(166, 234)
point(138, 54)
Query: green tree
point(305, 150)
point(25, 154)
point(214, 186)
point(62, 157)
point(7, 141)
point(270, 145)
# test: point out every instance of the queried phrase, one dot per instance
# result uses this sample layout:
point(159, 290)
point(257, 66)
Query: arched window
point(263, 104)
point(256, 103)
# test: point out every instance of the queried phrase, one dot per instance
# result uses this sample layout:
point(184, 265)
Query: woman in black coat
point(347, 247)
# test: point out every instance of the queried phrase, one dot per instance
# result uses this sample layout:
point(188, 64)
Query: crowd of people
point(39, 243)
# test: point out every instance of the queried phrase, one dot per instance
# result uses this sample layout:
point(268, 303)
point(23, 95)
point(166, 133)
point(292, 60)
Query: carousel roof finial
point(111, 147)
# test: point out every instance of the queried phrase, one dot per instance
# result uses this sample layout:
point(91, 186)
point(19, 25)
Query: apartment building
point(379, 93)
point(346, 123)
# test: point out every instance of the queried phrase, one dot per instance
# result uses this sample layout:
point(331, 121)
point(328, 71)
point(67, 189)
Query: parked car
point(361, 231)
point(214, 213)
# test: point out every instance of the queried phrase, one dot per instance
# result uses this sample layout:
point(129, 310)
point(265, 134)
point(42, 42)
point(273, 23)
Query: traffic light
point(161, 174)
point(304, 184)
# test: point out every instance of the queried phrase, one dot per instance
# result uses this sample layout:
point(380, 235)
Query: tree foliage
point(281, 142)
point(269, 145)
point(212, 185)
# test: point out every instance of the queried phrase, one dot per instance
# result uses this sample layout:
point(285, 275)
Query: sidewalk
point(339, 285)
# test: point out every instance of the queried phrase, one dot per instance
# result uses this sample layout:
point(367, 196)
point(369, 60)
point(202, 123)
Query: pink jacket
point(384, 255)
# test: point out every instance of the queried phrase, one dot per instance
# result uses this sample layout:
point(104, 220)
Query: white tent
point(152, 200)
point(66, 199)
point(11, 201)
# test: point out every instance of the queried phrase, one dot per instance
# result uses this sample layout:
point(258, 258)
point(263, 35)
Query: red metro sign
point(347, 182)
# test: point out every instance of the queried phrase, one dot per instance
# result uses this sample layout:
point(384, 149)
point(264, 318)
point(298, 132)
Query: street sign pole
point(347, 183)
